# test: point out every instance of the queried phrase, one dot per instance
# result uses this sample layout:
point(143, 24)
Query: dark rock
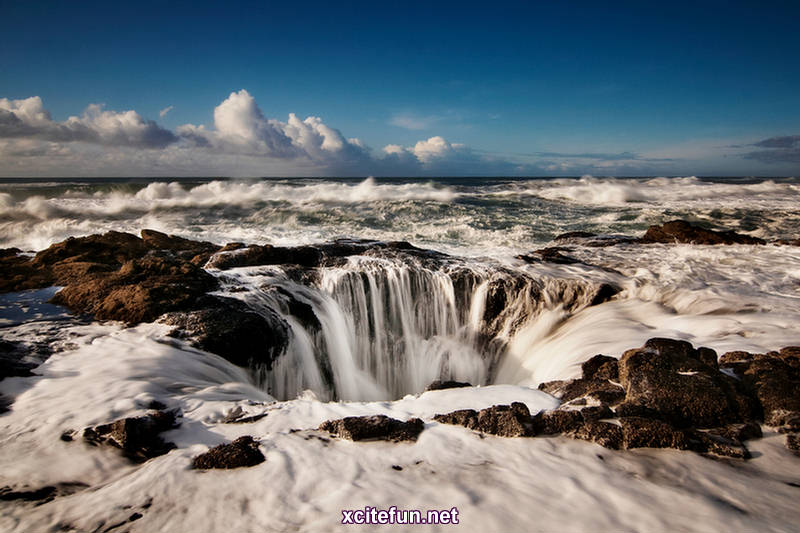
point(11, 364)
point(18, 272)
point(113, 248)
point(793, 443)
point(552, 254)
point(440, 385)
point(596, 412)
point(729, 358)
point(239, 453)
point(502, 420)
point(671, 381)
point(717, 445)
point(557, 421)
point(230, 329)
point(238, 416)
point(140, 291)
point(161, 241)
point(680, 231)
point(738, 432)
point(138, 437)
point(600, 367)
point(775, 382)
point(605, 292)
point(375, 427)
point(41, 495)
point(648, 433)
point(601, 390)
point(606, 434)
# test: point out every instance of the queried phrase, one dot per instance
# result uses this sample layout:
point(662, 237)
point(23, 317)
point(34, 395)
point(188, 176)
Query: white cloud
point(27, 118)
point(164, 111)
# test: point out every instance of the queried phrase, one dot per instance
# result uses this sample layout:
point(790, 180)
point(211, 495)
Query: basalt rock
point(502, 420)
point(680, 231)
point(671, 381)
point(441, 385)
point(600, 367)
point(774, 379)
point(138, 437)
point(327, 254)
point(600, 390)
point(553, 254)
point(242, 452)
point(793, 443)
point(606, 434)
point(375, 427)
point(230, 329)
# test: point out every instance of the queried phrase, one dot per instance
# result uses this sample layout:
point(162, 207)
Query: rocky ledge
point(666, 394)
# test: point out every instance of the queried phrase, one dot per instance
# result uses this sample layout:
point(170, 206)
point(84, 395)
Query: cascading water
point(383, 327)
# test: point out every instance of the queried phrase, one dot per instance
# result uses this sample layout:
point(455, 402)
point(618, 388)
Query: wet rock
point(553, 254)
point(793, 443)
point(738, 432)
point(11, 363)
point(671, 381)
point(240, 453)
point(680, 231)
point(161, 241)
point(716, 445)
point(138, 437)
point(238, 416)
point(140, 291)
point(606, 434)
point(649, 433)
point(311, 256)
point(375, 427)
point(230, 329)
point(775, 382)
point(502, 420)
point(557, 421)
point(441, 385)
point(41, 495)
point(601, 390)
point(600, 367)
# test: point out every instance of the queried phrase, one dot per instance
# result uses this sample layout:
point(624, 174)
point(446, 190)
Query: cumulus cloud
point(784, 149)
point(241, 141)
point(27, 118)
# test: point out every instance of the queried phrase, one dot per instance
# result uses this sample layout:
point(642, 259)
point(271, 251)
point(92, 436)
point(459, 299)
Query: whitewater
point(384, 327)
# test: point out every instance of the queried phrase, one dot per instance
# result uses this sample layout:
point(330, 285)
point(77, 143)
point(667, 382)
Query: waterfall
point(378, 328)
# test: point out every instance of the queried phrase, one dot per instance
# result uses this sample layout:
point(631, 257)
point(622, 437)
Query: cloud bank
point(242, 141)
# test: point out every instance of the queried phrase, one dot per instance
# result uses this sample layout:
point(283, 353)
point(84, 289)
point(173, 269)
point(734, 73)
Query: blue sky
point(429, 88)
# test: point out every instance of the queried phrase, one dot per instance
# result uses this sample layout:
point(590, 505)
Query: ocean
point(385, 326)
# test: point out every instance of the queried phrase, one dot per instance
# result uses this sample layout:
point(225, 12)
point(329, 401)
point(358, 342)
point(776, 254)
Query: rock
point(230, 329)
point(680, 231)
point(42, 494)
point(738, 432)
point(648, 433)
point(140, 291)
point(793, 443)
point(502, 420)
point(592, 239)
point(671, 381)
point(600, 367)
point(239, 453)
point(113, 248)
point(601, 390)
point(606, 434)
point(238, 416)
point(773, 379)
point(375, 427)
point(552, 254)
point(161, 241)
point(557, 421)
point(441, 385)
point(138, 437)
point(11, 364)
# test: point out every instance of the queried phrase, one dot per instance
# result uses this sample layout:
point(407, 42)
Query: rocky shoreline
point(665, 394)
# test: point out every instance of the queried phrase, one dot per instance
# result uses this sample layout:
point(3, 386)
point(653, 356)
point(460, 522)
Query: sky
point(399, 88)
